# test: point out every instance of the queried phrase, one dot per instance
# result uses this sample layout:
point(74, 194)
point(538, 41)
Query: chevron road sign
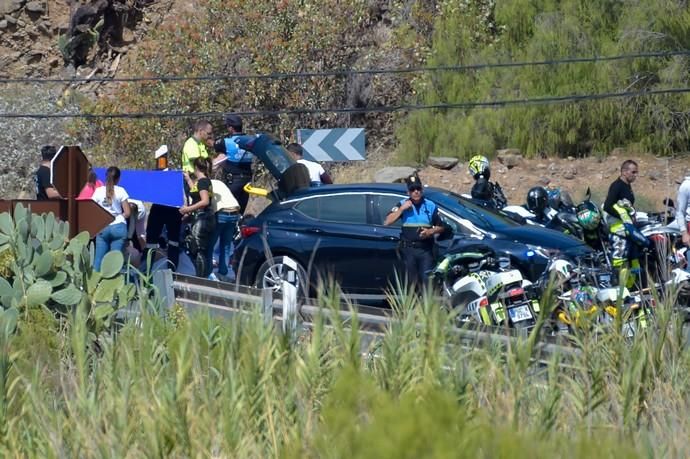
point(332, 144)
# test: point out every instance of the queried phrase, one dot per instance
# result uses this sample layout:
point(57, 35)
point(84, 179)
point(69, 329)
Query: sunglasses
point(414, 188)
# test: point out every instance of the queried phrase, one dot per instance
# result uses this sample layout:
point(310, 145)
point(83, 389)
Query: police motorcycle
point(585, 300)
point(483, 289)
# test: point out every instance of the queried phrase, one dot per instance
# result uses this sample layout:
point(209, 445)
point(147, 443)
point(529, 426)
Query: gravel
point(22, 138)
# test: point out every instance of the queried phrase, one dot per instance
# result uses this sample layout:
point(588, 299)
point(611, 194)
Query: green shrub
point(543, 30)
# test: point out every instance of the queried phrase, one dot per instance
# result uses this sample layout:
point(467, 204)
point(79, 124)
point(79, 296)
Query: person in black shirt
point(44, 189)
point(203, 219)
point(619, 207)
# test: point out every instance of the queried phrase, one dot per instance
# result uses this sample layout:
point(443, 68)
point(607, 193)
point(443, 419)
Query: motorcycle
point(485, 290)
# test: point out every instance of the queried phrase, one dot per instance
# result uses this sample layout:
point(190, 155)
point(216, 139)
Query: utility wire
point(332, 73)
point(382, 109)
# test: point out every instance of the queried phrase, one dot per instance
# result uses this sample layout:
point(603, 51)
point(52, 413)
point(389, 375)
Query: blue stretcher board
point(158, 187)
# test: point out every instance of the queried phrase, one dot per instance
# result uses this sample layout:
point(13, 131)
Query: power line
point(382, 109)
point(332, 73)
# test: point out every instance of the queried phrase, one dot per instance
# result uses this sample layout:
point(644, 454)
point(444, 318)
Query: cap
point(413, 181)
point(233, 120)
point(162, 150)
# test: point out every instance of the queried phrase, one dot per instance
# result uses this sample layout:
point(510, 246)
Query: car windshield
point(480, 216)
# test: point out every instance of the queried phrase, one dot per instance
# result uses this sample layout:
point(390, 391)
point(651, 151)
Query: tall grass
point(203, 387)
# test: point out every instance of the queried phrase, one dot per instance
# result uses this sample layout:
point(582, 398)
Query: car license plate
point(519, 313)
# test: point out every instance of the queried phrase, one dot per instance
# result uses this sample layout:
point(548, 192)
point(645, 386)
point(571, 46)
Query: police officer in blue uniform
point(420, 222)
point(237, 168)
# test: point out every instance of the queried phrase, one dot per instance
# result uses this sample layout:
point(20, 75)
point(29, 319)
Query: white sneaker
point(213, 277)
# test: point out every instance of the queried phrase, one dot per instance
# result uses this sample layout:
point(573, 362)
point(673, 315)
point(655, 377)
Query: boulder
point(10, 6)
point(36, 7)
point(442, 162)
point(654, 175)
point(509, 157)
point(396, 174)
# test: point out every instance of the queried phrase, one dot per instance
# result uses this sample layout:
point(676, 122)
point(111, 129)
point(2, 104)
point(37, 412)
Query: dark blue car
point(337, 232)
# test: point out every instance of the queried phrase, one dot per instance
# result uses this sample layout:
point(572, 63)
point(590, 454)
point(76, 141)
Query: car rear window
point(342, 208)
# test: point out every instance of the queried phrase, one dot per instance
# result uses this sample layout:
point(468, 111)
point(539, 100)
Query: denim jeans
point(113, 237)
point(226, 225)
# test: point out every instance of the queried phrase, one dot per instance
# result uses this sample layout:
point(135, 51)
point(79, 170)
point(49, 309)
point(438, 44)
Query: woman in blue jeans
point(227, 210)
point(112, 198)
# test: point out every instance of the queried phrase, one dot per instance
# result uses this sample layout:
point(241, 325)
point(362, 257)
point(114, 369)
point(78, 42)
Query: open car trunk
point(291, 175)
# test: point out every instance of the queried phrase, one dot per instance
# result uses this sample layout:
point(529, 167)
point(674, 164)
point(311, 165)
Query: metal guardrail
point(227, 299)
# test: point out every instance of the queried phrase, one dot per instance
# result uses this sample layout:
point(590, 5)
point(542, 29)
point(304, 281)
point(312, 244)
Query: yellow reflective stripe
point(485, 316)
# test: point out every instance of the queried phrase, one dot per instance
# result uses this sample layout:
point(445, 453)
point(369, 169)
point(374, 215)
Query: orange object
point(162, 162)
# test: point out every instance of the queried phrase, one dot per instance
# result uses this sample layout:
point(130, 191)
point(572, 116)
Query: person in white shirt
point(112, 198)
point(227, 210)
point(683, 208)
point(317, 175)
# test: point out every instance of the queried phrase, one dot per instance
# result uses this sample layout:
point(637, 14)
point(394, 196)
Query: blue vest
point(418, 216)
point(239, 160)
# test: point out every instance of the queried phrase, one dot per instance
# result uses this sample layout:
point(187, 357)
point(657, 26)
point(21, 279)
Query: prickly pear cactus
point(41, 266)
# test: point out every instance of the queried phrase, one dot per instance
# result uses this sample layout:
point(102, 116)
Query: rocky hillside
point(58, 39)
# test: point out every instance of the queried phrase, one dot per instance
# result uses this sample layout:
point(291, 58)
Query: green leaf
point(23, 229)
point(56, 244)
point(58, 258)
point(8, 321)
point(103, 311)
point(107, 289)
point(84, 237)
point(43, 263)
point(38, 229)
point(92, 281)
point(20, 212)
point(68, 296)
point(5, 287)
point(125, 295)
point(112, 264)
point(24, 252)
point(50, 226)
point(38, 293)
point(6, 225)
point(4, 239)
point(6, 301)
point(57, 279)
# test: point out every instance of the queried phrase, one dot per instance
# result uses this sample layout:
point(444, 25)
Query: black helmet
point(537, 200)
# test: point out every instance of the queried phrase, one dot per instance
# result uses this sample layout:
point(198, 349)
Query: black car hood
point(539, 236)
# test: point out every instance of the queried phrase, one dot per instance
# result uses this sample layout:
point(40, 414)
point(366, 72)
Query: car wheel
point(272, 272)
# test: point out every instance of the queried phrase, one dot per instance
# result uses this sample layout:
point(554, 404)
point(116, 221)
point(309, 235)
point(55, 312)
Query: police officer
point(237, 167)
point(420, 221)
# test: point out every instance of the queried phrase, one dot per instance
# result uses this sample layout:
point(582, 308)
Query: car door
point(388, 237)
point(345, 247)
